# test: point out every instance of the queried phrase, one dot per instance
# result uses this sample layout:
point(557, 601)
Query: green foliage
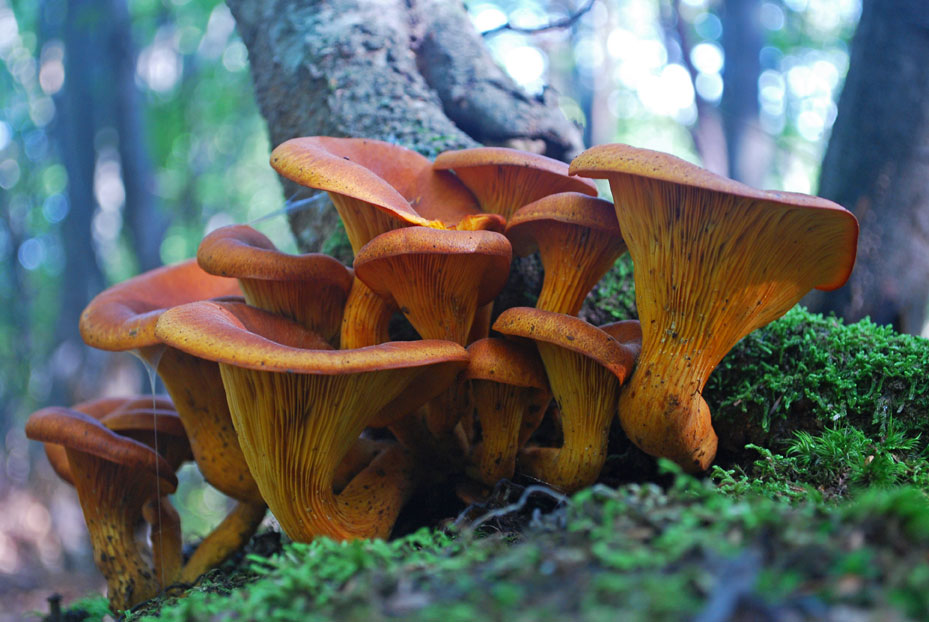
point(829, 465)
point(806, 371)
point(88, 609)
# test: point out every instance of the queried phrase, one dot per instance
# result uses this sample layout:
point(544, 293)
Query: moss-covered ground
point(815, 510)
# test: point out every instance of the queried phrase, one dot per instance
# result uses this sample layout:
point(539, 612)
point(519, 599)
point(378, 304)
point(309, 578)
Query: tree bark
point(877, 165)
point(146, 225)
point(412, 72)
point(745, 141)
point(75, 132)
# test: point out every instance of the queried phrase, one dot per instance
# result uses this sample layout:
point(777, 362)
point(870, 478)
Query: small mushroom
point(510, 395)
point(115, 477)
point(299, 411)
point(585, 368)
point(714, 260)
point(503, 180)
point(309, 288)
point(578, 240)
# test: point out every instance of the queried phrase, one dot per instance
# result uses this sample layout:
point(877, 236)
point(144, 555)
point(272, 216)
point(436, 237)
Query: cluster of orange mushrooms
point(277, 364)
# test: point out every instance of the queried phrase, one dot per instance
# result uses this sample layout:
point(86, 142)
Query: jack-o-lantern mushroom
point(504, 180)
point(510, 394)
point(115, 477)
point(714, 260)
point(309, 288)
point(299, 411)
point(438, 279)
point(578, 240)
point(123, 318)
point(150, 420)
point(585, 368)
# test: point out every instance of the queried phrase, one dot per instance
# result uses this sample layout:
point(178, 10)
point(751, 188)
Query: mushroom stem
point(664, 414)
point(197, 390)
point(228, 537)
point(165, 536)
point(318, 308)
point(373, 499)
point(480, 327)
point(366, 318)
point(568, 279)
point(496, 455)
point(308, 506)
point(588, 391)
point(112, 513)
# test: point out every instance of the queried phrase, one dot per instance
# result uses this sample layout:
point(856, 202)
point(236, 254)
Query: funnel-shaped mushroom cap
point(585, 368)
point(75, 430)
point(367, 203)
point(714, 260)
point(309, 288)
point(503, 180)
point(114, 477)
point(432, 194)
point(298, 412)
point(123, 317)
point(437, 278)
point(510, 394)
point(122, 415)
point(578, 240)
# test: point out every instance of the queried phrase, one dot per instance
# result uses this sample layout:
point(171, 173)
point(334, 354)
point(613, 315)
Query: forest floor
point(815, 510)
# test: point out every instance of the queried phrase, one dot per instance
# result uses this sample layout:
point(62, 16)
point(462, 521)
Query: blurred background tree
point(129, 128)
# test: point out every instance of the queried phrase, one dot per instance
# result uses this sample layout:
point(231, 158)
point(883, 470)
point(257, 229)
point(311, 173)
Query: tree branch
point(558, 24)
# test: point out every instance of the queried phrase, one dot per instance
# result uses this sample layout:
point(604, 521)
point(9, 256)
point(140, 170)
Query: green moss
point(613, 298)
point(808, 372)
point(639, 551)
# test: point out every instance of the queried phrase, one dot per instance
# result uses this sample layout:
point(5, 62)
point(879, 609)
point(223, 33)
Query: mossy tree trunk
point(412, 72)
point(877, 165)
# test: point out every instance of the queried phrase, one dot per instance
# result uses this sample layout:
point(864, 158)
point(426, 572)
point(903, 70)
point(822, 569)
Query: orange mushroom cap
point(505, 179)
point(714, 259)
point(98, 409)
point(309, 288)
point(585, 368)
point(123, 317)
point(367, 203)
point(578, 240)
point(438, 278)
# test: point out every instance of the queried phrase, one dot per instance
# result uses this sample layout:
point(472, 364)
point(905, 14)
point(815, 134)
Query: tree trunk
point(745, 141)
point(877, 165)
point(75, 133)
point(412, 72)
point(146, 225)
